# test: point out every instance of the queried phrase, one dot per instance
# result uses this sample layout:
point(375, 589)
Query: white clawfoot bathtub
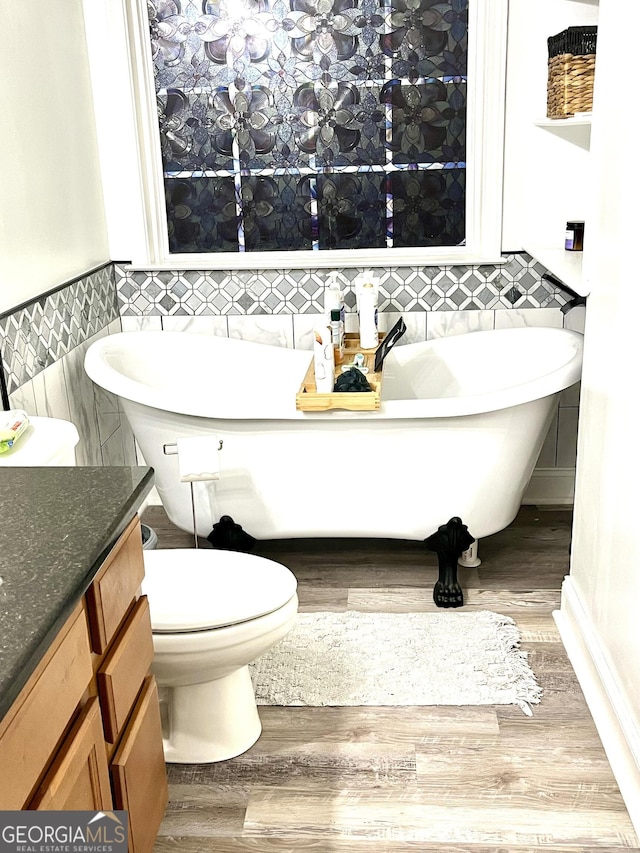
point(459, 430)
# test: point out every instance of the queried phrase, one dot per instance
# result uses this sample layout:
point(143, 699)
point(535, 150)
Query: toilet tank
point(46, 441)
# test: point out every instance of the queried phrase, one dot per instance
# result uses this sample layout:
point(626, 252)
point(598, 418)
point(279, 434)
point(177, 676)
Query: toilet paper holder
point(171, 449)
point(174, 447)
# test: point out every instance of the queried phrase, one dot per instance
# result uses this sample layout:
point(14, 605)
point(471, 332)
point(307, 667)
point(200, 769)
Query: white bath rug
point(352, 658)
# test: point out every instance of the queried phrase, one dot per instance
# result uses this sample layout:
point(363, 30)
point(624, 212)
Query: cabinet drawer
point(139, 773)
point(43, 712)
point(115, 587)
point(79, 777)
point(121, 675)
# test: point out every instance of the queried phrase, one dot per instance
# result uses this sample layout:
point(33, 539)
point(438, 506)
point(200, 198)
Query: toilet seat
point(202, 589)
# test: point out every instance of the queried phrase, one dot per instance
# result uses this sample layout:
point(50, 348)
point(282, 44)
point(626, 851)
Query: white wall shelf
point(564, 265)
point(575, 129)
point(579, 120)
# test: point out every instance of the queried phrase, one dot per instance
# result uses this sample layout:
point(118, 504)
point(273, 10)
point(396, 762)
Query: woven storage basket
point(571, 69)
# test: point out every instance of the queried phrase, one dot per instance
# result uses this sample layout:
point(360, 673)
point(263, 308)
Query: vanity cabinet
point(120, 629)
point(85, 731)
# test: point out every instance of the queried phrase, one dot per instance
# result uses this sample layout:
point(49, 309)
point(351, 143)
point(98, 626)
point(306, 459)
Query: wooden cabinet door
point(34, 729)
point(122, 673)
point(79, 776)
point(115, 587)
point(139, 772)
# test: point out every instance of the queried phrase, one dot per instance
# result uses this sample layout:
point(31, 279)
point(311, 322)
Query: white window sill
point(317, 260)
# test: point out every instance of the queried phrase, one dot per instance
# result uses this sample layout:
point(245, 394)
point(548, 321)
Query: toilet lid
point(200, 589)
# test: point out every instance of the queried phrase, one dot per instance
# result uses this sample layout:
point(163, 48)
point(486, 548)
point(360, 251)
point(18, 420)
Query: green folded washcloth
point(12, 424)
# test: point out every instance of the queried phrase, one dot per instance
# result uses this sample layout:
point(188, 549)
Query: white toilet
point(46, 441)
point(213, 612)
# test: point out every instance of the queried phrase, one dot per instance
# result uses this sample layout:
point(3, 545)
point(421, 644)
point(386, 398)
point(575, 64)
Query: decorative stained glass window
point(311, 124)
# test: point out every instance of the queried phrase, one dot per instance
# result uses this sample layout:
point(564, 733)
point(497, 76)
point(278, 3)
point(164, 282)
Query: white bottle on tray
point(367, 316)
point(323, 359)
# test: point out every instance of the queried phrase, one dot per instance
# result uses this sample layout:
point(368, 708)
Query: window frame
point(487, 48)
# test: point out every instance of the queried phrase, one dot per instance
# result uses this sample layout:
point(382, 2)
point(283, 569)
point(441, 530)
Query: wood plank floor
point(368, 780)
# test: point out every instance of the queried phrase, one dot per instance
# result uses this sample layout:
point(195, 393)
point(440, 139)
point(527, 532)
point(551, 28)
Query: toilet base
point(209, 722)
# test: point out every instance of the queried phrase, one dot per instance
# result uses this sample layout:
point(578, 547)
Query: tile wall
point(518, 283)
point(42, 348)
point(43, 344)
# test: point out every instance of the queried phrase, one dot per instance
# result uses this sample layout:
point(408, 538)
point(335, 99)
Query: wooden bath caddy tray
point(309, 400)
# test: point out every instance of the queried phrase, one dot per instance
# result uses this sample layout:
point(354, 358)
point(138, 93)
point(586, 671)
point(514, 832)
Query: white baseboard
point(618, 727)
point(551, 486)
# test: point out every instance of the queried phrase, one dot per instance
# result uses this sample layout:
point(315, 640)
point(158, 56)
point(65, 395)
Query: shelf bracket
point(547, 276)
point(576, 298)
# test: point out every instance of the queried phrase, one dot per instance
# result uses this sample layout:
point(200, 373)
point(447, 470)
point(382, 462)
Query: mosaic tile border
point(518, 283)
point(36, 335)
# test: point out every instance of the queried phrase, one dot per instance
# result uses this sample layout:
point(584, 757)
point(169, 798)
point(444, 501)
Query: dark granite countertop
point(58, 525)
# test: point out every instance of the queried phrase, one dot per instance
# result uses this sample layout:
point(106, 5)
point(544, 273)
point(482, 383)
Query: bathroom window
point(311, 131)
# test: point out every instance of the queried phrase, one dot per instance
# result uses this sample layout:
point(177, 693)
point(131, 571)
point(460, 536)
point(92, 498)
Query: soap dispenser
point(334, 295)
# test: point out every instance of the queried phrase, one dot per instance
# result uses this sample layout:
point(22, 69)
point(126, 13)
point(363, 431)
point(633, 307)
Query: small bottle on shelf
point(574, 236)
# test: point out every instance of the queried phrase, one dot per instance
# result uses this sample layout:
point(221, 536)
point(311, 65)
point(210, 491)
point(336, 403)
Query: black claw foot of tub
point(449, 541)
point(229, 536)
point(448, 593)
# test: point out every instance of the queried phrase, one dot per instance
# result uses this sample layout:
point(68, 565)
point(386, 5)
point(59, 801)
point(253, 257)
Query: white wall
point(52, 223)
point(106, 28)
point(601, 597)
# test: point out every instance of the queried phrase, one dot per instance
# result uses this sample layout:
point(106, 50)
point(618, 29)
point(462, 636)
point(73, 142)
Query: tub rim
point(552, 382)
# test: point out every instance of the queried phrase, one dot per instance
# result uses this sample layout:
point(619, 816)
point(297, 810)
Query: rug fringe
point(528, 691)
